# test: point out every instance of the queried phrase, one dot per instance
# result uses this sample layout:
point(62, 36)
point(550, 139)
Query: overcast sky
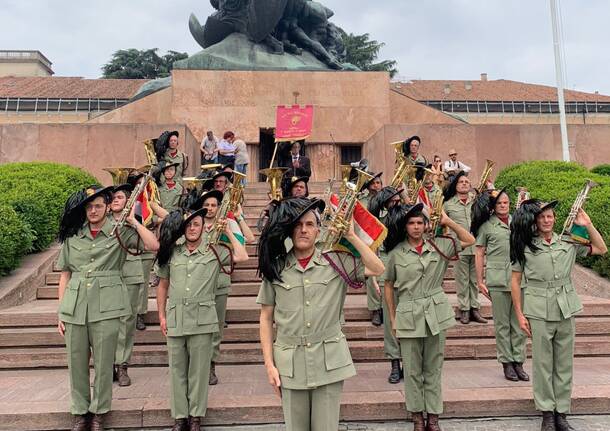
point(430, 39)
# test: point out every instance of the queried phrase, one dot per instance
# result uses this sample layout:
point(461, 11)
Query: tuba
point(342, 216)
point(274, 178)
point(119, 175)
point(404, 170)
point(237, 190)
point(578, 234)
point(489, 164)
point(436, 212)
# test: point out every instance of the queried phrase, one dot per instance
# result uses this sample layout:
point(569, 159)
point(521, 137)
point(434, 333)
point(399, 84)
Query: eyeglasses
point(452, 154)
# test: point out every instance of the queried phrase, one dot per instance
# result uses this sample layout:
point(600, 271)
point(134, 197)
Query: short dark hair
point(228, 135)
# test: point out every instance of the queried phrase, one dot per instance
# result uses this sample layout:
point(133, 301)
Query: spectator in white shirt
point(209, 149)
point(453, 166)
point(226, 149)
point(242, 158)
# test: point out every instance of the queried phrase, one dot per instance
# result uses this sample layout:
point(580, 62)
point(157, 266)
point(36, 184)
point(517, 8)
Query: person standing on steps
point(543, 262)
point(416, 268)
point(304, 294)
point(185, 298)
point(458, 206)
point(93, 297)
point(491, 226)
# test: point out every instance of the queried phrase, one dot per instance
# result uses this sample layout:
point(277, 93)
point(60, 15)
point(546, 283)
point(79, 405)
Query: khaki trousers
point(510, 339)
point(98, 339)
point(466, 279)
point(189, 368)
point(422, 361)
point(143, 292)
point(312, 409)
point(221, 312)
point(127, 328)
point(552, 360)
point(391, 347)
point(373, 300)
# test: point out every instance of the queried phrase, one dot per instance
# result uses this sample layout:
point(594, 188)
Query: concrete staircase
point(35, 391)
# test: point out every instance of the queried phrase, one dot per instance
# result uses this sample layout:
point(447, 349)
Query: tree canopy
point(364, 52)
point(141, 64)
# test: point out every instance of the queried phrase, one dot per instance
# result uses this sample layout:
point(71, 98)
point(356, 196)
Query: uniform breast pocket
point(405, 319)
point(283, 356)
point(496, 274)
point(336, 353)
point(534, 302)
point(206, 313)
point(574, 303)
point(288, 296)
point(68, 301)
point(111, 294)
point(407, 271)
point(443, 309)
point(170, 316)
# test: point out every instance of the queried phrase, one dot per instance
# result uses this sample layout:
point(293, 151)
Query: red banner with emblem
point(293, 123)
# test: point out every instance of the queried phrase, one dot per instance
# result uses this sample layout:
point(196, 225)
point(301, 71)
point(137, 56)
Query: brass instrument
point(149, 149)
point(489, 164)
point(237, 190)
point(211, 166)
point(404, 170)
point(274, 178)
point(221, 213)
point(345, 171)
point(436, 212)
point(119, 175)
point(522, 196)
point(576, 206)
point(414, 186)
point(193, 183)
point(342, 216)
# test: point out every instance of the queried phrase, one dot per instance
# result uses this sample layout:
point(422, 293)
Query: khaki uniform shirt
point(495, 237)
point(170, 198)
point(421, 160)
point(132, 271)
point(418, 279)
point(96, 290)
point(549, 294)
point(310, 349)
point(460, 213)
point(192, 278)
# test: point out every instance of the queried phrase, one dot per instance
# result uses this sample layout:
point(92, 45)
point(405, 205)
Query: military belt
point(548, 284)
point(91, 274)
point(205, 300)
point(316, 337)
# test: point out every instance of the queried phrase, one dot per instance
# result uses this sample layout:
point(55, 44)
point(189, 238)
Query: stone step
point(250, 353)
point(39, 399)
point(249, 332)
point(245, 310)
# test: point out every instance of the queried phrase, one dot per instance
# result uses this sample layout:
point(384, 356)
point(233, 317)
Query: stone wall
point(88, 146)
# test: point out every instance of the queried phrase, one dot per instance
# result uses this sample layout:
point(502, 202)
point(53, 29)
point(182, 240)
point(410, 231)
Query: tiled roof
point(490, 90)
point(68, 87)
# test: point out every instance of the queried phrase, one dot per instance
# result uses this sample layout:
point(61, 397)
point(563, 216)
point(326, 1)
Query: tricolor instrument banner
point(293, 123)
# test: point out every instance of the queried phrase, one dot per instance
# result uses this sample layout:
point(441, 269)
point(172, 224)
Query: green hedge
point(37, 192)
point(563, 181)
point(602, 169)
point(16, 239)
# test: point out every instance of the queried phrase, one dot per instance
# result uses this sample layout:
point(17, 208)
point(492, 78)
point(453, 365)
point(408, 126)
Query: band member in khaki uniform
point(416, 268)
point(295, 187)
point(188, 319)
point(491, 226)
point(411, 151)
point(170, 191)
point(304, 295)
point(133, 277)
point(543, 262)
point(166, 148)
point(458, 206)
point(93, 297)
point(379, 206)
point(373, 291)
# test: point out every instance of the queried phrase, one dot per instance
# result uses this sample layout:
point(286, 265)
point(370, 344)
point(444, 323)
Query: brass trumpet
point(489, 164)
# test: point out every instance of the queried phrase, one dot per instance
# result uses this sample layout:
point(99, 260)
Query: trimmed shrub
point(602, 170)
point(548, 180)
point(16, 239)
point(37, 192)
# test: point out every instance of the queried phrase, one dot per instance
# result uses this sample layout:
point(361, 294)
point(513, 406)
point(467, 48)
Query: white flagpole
point(560, 84)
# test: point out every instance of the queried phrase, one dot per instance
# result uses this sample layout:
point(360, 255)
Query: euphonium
point(274, 178)
point(342, 216)
point(345, 171)
point(580, 236)
point(236, 190)
point(404, 169)
point(489, 164)
point(522, 196)
point(221, 214)
point(436, 212)
point(119, 175)
point(192, 183)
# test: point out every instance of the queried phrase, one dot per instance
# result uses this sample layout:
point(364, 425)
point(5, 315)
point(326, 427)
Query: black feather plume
point(377, 202)
point(481, 212)
point(170, 231)
point(161, 145)
point(396, 222)
point(73, 217)
point(523, 230)
point(191, 201)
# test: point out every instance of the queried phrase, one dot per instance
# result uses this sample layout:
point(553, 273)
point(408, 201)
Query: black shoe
point(115, 375)
point(509, 372)
point(213, 380)
point(475, 316)
point(180, 425)
point(123, 377)
point(548, 422)
point(376, 317)
point(465, 317)
point(140, 325)
point(395, 372)
point(561, 423)
point(523, 376)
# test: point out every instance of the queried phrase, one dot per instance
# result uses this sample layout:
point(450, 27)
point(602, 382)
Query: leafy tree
point(140, 64)
point(363, 52)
